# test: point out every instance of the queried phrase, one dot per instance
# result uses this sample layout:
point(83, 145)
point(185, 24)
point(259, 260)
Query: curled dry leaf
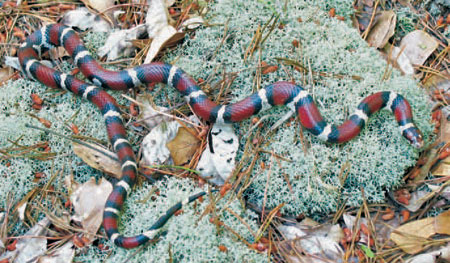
point(444, 189)
point(88, 202)
point(418, 46)
point(32, 246)
point(164, 35)
point(83, 19)
point(119, 43)
point(158, 27)
point(364, 12)
point(192, 22)
point(98, 157)
point(317, 243)
point(154, 150)
point(383, 29)
point(101, 5)
point(443, 167)
point(150, 114)
point(431, 257)
point(398, 58)
point(22, 204)
point(5, 74)
point(218, 160)
point(418, 198)
point(411, 237)
point(183, 146)
point(66, 253)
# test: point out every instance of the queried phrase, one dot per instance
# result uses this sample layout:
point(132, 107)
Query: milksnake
point(279, 93)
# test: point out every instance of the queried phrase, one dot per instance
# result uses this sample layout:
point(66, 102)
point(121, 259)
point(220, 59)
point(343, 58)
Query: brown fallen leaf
point(382, 30)
point(5, 74)
point(88, 202)
point(410, 237)
point(418, 46)
point(443, 167)
point(443, 223)
point(183, 146)
point(100, 159)
point(396, 56)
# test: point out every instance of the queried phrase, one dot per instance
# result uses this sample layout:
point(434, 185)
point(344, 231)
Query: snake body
point(279, 93)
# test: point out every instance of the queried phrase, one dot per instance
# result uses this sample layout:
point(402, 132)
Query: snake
point(278, 93)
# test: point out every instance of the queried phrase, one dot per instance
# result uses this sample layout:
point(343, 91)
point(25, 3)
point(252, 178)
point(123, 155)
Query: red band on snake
point(279, 93)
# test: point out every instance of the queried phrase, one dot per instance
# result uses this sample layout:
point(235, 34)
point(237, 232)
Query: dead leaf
point(154, 150)
point(150, 114)
point(100, 159)
point(430, 257)
point(88, 202)
point(383, 29)
point(33, 245)
point(183, 146)
point(193, 22)
point(158, 28)
point(317, 243)
point(440, 81)
point(120, 43)
point(398, 58)
point(443, 223)
point(444, 135)
point(5, 74)
point(83, 19)
point(218, 161)
point(418, 198)
point(410, 237)
point(164, 35)
point(101, 5)
point(445, 188)
point(174, 40)
point(422, 258)
point(418, 46)
point(22, 204)
point(443, 167)
point(65, 253)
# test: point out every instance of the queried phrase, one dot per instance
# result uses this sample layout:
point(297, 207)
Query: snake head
point(414, 136)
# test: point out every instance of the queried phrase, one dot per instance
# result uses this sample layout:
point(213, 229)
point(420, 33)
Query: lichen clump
point(323, 175)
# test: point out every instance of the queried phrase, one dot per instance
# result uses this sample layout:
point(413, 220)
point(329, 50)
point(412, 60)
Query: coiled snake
point(279, 93)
